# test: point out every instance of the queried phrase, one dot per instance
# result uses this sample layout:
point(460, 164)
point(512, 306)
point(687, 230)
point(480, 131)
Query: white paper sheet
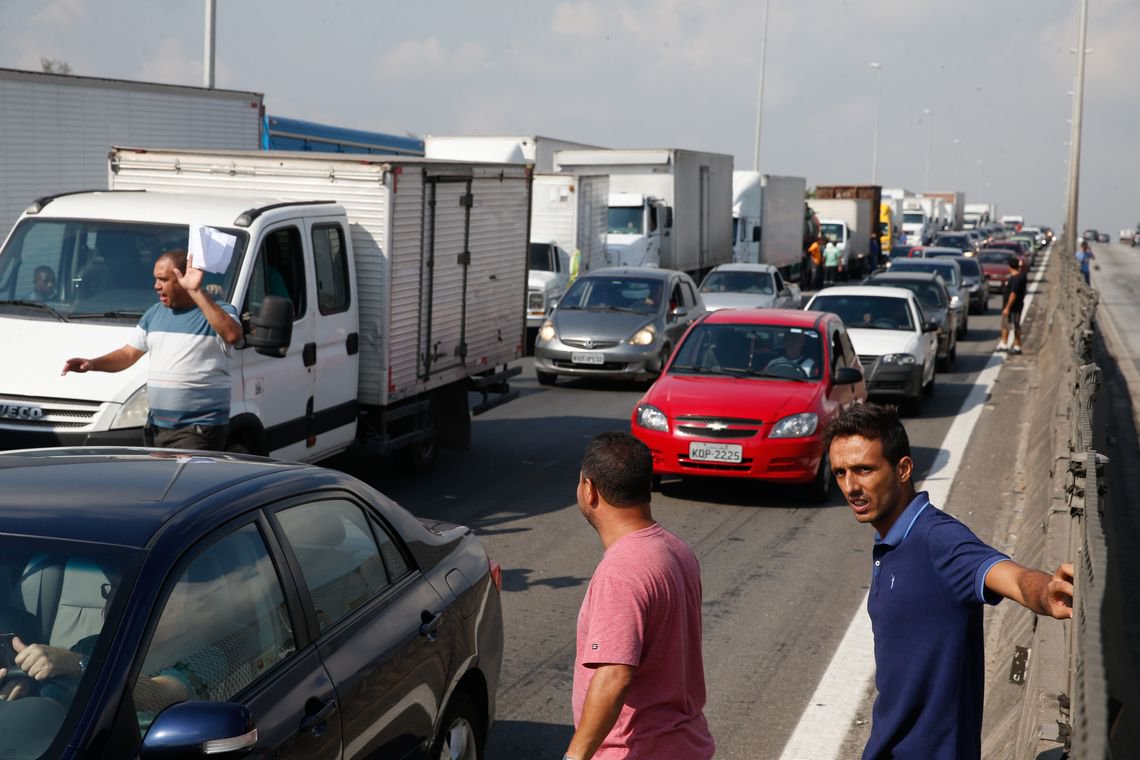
point(210, 249)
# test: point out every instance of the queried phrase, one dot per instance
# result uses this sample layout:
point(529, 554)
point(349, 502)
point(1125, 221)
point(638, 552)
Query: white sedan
point(897, 346)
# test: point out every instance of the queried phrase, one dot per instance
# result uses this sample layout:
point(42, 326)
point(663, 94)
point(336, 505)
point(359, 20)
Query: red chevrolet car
point(995, 267)
point(747, 394)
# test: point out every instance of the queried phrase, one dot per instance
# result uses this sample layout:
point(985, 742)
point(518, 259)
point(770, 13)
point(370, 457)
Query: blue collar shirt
point(925, 602)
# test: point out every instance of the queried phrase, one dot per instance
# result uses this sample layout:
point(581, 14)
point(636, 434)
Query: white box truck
point(668, 207)
point(507, 149)
point(768, 221)
point(847, 222)
point(568, 214)
point(58, 128)
point(919, 224)
point(399, 278)
point(978, 215)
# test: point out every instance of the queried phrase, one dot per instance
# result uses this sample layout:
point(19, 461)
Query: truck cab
point(548, 276)
point(917, 226)
point(293, 396)
point(636, 229)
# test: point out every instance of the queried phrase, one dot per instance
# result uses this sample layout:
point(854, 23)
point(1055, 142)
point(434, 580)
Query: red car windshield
point(778, 351)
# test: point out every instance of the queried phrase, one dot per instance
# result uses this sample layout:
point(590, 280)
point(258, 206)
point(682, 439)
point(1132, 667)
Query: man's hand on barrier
point(1059, 593)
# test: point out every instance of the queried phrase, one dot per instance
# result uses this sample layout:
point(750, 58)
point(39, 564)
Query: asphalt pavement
point(782, 578)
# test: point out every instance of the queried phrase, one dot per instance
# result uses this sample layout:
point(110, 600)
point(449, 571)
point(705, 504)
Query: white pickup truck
point(375, 293)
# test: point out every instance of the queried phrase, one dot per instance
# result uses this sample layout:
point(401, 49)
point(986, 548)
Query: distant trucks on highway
point(978, 215)
point(768, 221)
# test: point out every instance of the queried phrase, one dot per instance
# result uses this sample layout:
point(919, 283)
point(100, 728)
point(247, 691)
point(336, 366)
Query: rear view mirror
point(271, 328)
point(679, 312)
point(931, 327)
point(197, 729)
point(847, 376)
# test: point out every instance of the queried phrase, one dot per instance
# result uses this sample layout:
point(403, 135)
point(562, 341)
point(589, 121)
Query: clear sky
point(670, 73)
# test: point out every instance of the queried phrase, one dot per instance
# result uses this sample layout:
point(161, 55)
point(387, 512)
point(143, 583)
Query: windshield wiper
point(695, 369)
point(776, 375)
point(615, 308)
point(115, 314)
point(37, 305)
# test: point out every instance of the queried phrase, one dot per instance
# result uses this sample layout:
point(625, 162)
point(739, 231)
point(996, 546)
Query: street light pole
point(930, 144)
point(760, 93)
point(1075, 139)
point(208, 56)
point(878, 112)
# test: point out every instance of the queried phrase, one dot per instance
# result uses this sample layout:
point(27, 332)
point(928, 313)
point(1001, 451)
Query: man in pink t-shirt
point(639, 681)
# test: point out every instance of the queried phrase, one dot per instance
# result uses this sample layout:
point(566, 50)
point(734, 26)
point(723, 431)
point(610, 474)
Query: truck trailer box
point(849, 217)
point(402, 278)
point(57, 128)
point(955, 206)
point(669, 207)
point(768, 220)
point(529, 149)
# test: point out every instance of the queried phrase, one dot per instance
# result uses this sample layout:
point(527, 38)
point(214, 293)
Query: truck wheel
point(546, 378)
point(419, 457)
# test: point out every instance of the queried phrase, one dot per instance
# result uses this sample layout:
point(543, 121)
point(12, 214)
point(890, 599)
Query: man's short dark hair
point(177, 259)
point(620, 467)
point(875, 422)
point(1015, 263)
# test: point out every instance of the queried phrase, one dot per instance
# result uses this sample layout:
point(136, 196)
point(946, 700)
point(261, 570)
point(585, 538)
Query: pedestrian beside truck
point(832, 263)
point(189, 337)
point(639, 681)
point(930, 579)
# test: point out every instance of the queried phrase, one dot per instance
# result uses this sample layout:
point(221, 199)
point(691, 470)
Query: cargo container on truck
point(568, 215)
point(978, 215)
point(508, 149)
point(284, 133)
point(768, 221)
point(954, 207)
point(57, 128)
point(375, 293)
point(668, 207)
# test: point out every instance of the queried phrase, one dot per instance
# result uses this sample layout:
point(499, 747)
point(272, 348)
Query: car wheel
point(666, 352)
point(928, 389)
point(461, 731)
point(546, 378)
point(418, 457)
point(655, 483)
point(965, 328)
point(819, 490)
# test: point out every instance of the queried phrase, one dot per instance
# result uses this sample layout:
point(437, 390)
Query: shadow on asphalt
point(527, 739)
point(519, 579)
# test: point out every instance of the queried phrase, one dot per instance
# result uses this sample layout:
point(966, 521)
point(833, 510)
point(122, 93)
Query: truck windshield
point(85, 268)
point(913, 219)
point(836, 233)
point(625, 220)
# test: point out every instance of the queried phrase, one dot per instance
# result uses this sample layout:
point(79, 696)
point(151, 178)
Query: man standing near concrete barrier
point(930, 579)
point(1013, 301)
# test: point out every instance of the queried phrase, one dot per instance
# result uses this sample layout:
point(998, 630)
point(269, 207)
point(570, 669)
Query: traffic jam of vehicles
point(230, 601)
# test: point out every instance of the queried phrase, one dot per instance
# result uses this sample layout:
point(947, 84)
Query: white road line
point(831, 711)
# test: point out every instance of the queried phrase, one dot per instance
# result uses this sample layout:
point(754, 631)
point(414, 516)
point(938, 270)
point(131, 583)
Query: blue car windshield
point(84, 268)
point(59, 603)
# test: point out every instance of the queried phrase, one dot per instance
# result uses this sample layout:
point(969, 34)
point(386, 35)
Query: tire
point(655, 483)
point(462, 734)
point(928, 389)
point(546, 378)
point(419, 457)
point(965, 328)
point(819, 490)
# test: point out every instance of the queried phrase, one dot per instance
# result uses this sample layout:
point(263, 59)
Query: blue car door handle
point(430, 625)
point(314, 723)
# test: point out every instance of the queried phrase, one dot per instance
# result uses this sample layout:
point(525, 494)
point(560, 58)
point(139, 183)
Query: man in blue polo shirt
point(930, 579)
point(189, 338)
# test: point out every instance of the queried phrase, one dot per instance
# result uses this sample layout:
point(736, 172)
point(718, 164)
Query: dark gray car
point(973, 279)
point(951, 275)
point(932, 295)
point(621, 322)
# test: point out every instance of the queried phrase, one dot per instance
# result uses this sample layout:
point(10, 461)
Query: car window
point(690, 295)
point(750, 350)
point(223, 624)
point(395, 563)
point(867, 312)
point(338, 555)
point(635, 294)
point(278, 271)
point(331, 261)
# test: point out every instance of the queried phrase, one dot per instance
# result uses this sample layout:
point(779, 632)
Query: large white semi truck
point(768, 220)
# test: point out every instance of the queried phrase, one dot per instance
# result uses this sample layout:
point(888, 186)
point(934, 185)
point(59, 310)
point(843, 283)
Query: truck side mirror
point(668, 217)
point(271, 328)
point(756, 234)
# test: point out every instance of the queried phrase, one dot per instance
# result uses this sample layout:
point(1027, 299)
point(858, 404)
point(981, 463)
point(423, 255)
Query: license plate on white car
point(729, 453)
point(582, 358)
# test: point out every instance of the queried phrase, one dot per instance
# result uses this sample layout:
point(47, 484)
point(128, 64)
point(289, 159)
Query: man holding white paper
point(189, 337)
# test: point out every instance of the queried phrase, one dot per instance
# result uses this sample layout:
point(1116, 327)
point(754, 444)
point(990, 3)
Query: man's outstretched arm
point(1035, 590)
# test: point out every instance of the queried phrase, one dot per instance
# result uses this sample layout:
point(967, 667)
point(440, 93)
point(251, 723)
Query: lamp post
point(929, 145)
point(878, 67)
point(1075, 139)
point(208, 53)
point(760, 93)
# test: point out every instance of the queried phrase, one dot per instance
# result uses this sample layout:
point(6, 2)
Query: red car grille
point(707, 432)
point(744, 466)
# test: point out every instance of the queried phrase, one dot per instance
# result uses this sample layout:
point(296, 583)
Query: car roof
point(114, 495)
point(645, 272)
point(741, 267)
point(906, 276)
point(923, 262)
point(780, 317)
point(941, 248)
point(874, 291)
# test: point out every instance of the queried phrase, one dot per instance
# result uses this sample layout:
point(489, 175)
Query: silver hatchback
point(621, 322)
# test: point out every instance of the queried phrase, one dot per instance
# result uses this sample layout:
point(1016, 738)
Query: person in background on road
point(575, 265)
point(43, 284)
point(930, 580)
point(1013, 299)
point(815, 253)
point(639, 682)
point(876, 252)
point(832, 263)
point(189, 337)
point(1085, 258)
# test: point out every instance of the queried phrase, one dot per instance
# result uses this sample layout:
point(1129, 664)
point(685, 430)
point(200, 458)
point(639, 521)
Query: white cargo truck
point(847, 222)
point(768, 221)
point(568, 214)
point(375, 293)
point(978, 215)
point(919, 223)
point(668, 208)
point(58, 128)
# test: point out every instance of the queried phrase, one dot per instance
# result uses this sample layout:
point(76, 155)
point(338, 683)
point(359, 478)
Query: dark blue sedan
point(156, 604)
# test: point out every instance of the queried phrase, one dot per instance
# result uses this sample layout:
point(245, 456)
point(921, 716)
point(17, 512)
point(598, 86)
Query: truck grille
point(57, 413)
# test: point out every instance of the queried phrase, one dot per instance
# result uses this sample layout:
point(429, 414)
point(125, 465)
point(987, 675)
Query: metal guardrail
point(1088, 730)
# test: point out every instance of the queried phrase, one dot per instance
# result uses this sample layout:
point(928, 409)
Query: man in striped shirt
point(189, 337)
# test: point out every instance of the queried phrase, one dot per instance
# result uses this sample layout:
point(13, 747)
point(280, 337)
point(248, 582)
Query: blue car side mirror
point(193, 729)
